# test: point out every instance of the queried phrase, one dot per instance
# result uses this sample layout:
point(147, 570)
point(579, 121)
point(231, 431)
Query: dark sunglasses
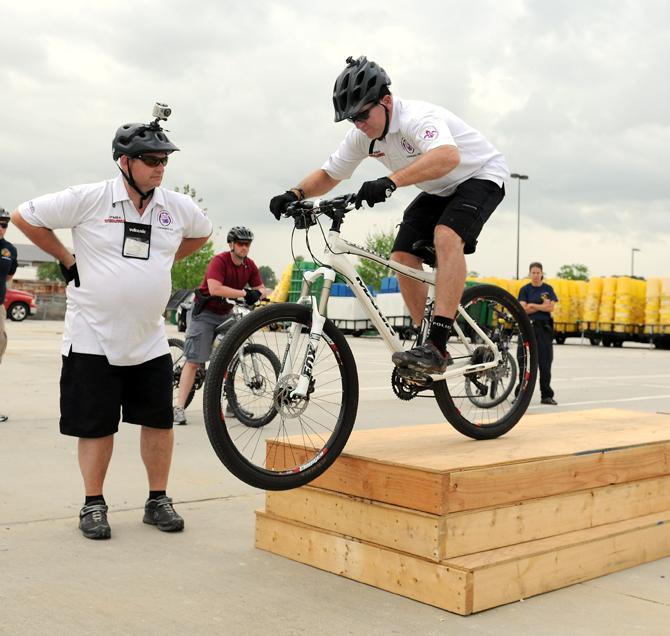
point(4, 224)
point(363, 115)
point(151, 161)
point(243, 243)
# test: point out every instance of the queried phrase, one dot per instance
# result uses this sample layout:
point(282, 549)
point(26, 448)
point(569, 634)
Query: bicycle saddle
point(425, 250)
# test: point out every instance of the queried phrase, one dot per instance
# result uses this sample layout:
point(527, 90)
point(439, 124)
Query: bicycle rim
point(305, 435)
point(487, 404)
point(249, 385)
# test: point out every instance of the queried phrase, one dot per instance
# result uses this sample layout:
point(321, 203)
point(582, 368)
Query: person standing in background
point(539, 300)
point(8, 265)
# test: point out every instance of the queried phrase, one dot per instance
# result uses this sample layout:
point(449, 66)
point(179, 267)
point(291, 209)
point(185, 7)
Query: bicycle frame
point(335, 261)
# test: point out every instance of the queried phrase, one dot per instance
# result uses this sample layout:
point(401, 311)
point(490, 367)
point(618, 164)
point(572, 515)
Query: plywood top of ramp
point(438, 447)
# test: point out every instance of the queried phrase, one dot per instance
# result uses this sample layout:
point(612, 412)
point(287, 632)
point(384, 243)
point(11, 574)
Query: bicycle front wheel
point(487, 404)
point(305, 434)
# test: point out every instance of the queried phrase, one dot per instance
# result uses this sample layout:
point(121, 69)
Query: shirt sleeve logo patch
point(5, 253)
point(407, 147)
point(164, 218)
point(430, 133)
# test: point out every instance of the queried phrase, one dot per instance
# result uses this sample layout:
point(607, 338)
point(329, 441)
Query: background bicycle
point(247, 393)
point(315, 394)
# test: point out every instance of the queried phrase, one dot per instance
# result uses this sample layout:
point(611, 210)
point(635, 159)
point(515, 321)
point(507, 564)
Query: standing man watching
point(228, 275)
point(460, 173)
point(126, 233)
point(8, 265)
point(539, 301)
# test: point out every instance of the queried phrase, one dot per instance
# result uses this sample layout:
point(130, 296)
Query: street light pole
point(520, 177)
point(632, 260)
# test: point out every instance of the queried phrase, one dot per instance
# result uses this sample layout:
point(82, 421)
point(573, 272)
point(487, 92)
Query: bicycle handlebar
point(305, 212)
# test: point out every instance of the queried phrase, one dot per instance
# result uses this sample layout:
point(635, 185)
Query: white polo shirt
point(415, 128)
point(117, 310)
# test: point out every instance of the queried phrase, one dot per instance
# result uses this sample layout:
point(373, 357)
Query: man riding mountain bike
point(460, 173)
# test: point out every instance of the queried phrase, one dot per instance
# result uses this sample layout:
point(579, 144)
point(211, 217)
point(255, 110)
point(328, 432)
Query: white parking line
point(633, 399)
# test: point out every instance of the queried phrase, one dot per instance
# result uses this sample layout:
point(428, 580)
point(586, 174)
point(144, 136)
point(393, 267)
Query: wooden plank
point(436, 470)
point(402, 529)
point(415, 578)
point(437, 538)
point(510, 574)
point(480, 581)
point(485, 487)
point(480, 530)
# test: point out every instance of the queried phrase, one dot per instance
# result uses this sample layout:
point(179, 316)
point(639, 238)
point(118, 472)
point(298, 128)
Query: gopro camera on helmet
point(161, 111)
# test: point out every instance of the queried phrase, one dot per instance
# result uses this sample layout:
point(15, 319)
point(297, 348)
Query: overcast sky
point(575, 94)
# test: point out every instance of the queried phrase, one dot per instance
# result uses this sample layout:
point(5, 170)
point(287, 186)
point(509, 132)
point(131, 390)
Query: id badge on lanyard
point(136, 240)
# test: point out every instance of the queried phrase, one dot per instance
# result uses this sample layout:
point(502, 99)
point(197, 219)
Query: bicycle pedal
point(415, 377)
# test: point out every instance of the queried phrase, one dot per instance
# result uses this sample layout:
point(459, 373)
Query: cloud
point(573, 93)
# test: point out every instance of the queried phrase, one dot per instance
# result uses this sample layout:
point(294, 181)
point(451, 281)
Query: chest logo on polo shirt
point(114, 218)
point(377, 154)
point(406, 146)
point(164, 218)
point(430, 133)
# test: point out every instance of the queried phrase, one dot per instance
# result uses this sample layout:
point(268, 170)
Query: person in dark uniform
point(538, 300)
point(7, 268)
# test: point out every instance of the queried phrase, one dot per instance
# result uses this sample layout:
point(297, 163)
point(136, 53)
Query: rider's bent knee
point(405, 258)
point(446, 238)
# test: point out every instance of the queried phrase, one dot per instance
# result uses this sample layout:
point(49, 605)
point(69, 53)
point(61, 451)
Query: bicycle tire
point(246, 412)
point(293, 449)
point(176, 372)
point(498, 313)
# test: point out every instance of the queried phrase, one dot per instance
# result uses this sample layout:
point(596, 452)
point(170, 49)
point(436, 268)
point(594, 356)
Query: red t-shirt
point(222, 268)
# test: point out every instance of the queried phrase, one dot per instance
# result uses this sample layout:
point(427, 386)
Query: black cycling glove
point(69, 273)
point(252, 296)
point(376, 191)
point(279, 203)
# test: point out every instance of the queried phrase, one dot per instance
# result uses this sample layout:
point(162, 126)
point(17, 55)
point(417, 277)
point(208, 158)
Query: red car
point(19, 304)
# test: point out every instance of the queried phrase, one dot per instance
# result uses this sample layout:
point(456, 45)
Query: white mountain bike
point(483, 394)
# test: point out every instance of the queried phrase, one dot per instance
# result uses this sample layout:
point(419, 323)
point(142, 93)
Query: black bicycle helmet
point(240, 233)
point(134, 139)
point(360, 83)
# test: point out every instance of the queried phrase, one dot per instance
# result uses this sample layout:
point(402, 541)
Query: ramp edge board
point(478, 582)
point(438, 537)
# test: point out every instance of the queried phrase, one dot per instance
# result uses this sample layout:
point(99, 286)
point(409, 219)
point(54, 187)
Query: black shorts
point(93, 393)
point(465, 212)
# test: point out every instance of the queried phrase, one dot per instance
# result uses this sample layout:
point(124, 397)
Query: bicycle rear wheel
point(489, 403)
point(307, 434)
point(250, 383)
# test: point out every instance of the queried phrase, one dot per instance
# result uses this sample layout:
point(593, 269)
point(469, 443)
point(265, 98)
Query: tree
point(49, 271)
point(380, 242)
point(268, 276)
point(574, 271)
point(189, 272)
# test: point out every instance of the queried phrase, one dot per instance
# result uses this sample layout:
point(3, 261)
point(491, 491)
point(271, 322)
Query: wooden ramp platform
point(468, 525)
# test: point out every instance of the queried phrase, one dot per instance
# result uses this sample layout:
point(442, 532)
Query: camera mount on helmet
point(135, 139)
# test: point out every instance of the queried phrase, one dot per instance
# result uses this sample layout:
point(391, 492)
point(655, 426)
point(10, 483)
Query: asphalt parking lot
point(210, 578)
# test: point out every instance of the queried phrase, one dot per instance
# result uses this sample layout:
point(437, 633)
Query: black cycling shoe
point(93, 521)
point(160, 512)
point(549, 400)
point(426, 358)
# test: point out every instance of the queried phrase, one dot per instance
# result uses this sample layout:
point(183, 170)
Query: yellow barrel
point(607, 299)
point(664, 308)
point(591, 307)
point(280, 292)
point(652, 305)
